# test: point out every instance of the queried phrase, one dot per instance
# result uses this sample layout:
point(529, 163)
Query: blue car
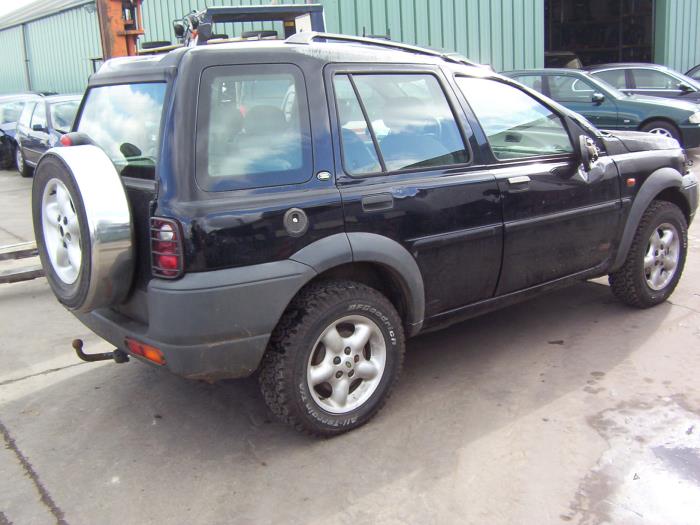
point(42, 122)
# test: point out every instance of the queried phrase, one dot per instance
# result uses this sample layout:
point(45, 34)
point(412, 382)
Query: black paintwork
point(478, 241)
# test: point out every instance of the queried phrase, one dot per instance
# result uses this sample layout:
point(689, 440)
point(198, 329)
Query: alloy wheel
point(662, 256)
point(346, 364)
point(61, 231)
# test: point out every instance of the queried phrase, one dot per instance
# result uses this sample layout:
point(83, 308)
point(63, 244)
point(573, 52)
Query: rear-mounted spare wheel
point(83, 227)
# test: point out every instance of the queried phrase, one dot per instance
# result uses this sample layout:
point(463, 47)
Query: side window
point(564, 88)
point(652, 79)
point(515, 124)
point(26, 115)
point(411, 124)
point(531, 81)
point(253, 128)
point(614, 77)
point(39, 116)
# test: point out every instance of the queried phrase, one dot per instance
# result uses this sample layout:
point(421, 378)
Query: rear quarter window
point(253, 128)
point(125, 120)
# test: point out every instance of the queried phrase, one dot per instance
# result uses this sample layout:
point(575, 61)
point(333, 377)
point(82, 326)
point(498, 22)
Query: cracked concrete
point(568, 409)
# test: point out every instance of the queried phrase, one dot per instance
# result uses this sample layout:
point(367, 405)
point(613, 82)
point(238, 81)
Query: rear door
point(558, 221)
point(583, 97)
point(408, 168)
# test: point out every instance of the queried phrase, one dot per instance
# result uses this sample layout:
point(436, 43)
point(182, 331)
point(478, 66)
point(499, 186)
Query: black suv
point(299, 208)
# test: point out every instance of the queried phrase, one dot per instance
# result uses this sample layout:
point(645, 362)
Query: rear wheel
point(22, 167)
point(656, 258)
point(662, 128)
point(333, 359)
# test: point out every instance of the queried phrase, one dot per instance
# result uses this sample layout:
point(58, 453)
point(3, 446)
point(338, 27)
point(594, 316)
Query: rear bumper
point(209, 325)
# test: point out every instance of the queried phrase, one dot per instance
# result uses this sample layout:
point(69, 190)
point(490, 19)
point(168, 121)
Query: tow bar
point(119, 356)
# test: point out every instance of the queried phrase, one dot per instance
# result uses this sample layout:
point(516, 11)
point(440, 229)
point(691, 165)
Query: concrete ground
point(571, 408)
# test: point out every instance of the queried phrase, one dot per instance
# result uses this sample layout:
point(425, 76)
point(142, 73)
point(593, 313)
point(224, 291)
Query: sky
point(7, 6)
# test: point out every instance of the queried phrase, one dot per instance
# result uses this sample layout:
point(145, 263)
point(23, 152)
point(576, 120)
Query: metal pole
point(25, 52)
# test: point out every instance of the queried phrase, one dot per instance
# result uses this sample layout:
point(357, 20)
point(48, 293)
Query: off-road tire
point(629, 282)
point(283, 378)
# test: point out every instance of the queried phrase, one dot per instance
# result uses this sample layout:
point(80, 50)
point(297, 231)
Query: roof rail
point(307, 37)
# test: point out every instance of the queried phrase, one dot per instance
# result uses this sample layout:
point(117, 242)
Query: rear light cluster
point(166, 248)
point(146, 351)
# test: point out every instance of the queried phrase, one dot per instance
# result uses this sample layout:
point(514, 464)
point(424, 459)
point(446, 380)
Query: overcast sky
point(7, 6)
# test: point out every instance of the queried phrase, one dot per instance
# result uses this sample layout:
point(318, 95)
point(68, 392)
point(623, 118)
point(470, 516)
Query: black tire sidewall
point(72, 295)
point(673, 215)
point(387, 321)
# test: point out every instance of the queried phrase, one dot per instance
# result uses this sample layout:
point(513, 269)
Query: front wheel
point(333, 359)
point(656, 258)
point(662, 128)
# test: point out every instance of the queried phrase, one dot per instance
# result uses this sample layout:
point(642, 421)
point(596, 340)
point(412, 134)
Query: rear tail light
point(146, 351)
point(166, 248)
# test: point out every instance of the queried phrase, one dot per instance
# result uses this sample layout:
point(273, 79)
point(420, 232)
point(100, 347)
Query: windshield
point(124, 120)
point(10, 111)
point(63, 115)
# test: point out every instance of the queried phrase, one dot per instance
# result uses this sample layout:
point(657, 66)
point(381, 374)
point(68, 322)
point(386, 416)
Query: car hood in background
point(634, 141)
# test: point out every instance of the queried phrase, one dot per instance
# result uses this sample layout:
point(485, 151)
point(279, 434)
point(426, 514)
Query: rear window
point(252, 128)
point(124, 120)
point(10, 112)
point(63, 115)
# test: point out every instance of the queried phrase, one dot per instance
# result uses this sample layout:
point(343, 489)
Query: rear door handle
point(521, 179)
point(377, 202)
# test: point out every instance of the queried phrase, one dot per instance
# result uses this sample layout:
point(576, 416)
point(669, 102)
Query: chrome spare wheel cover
point(346, 364)
point(661, 131)
point(662, 256)
point(109, 261)
point(61, 231)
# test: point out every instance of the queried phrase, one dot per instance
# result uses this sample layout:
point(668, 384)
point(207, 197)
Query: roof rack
point(307, 37)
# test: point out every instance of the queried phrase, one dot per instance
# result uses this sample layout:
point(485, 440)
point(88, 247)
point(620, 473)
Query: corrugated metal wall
point(59, 49)
point(677, 33)
point(508, 34)
point(13, 76)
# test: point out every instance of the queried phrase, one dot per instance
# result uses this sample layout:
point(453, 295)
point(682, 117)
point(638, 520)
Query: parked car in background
point(608, 108)
point(648, 79)
point(40, 126)
point(694, 73)
point(565, 59)
point(10, 109)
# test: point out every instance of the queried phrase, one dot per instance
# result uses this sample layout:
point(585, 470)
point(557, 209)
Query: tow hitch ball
point(119, 356)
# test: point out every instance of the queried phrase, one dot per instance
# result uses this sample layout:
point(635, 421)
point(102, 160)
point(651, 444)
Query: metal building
point(55, 44)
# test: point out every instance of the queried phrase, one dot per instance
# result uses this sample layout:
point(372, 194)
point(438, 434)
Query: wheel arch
point(663, 184)
point(660, 119)
point(376, 261)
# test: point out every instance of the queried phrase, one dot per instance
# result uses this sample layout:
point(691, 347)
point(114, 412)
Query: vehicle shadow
point(214, 450)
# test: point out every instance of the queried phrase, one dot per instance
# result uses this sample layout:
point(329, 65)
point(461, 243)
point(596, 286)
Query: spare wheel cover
point(77, 193)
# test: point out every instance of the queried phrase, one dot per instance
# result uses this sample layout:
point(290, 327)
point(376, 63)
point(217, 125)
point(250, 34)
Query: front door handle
point(378, 202)
point(521, 179)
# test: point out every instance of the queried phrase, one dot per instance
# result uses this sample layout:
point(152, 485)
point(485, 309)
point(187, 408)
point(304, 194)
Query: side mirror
point(685, 88)
point(588, 151)
point(598, 98)
point(179, 29)
point(38, 127)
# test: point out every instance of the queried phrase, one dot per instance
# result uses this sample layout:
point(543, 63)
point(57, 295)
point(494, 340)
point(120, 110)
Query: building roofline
point(38, 10)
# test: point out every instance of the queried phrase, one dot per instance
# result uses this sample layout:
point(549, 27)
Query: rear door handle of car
point(378, 202)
